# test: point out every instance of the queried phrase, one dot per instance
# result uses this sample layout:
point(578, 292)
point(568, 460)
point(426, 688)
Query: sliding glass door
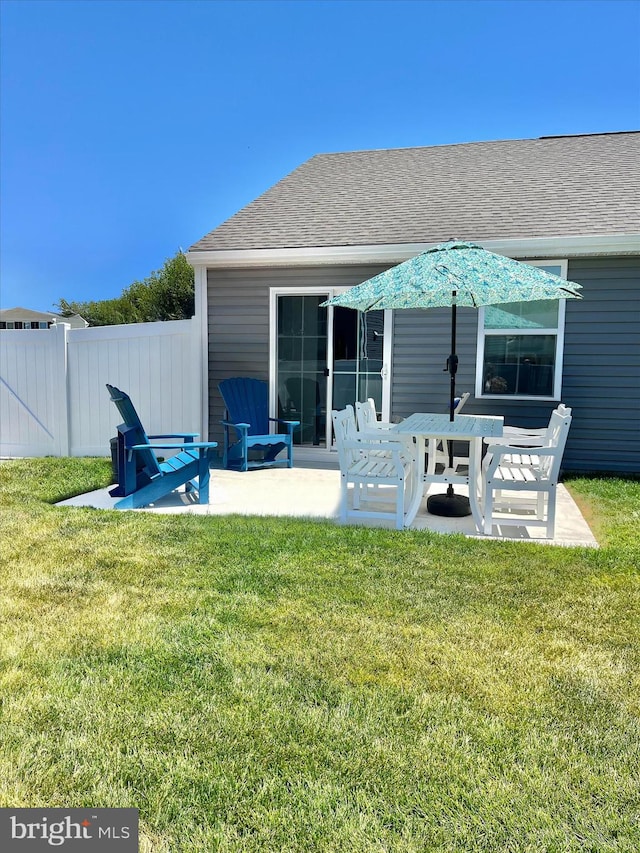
point(323, 360)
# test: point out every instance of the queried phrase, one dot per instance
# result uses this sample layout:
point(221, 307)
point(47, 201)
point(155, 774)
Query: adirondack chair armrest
point(175, 445)
point(188, 436)
point(290, 425)
point(240, 428)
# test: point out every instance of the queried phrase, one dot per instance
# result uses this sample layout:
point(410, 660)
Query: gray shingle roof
point(552, 186)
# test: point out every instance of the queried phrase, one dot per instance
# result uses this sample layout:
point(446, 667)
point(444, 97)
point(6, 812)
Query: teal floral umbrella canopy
point(455, 273)
point(447, 275)
point(452, 274)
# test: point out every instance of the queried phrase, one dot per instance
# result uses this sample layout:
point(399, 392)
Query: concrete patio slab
point(312, 490)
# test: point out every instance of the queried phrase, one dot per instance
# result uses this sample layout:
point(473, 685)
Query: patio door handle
point(384, 372)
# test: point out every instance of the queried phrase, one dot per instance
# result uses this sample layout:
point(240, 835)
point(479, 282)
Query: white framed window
point(520, 346)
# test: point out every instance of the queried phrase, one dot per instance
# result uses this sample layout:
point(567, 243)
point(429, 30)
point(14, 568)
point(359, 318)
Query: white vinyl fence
point(53, 399)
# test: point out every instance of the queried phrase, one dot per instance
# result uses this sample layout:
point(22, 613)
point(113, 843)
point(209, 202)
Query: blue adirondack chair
point(142, 478)
point(250, 445)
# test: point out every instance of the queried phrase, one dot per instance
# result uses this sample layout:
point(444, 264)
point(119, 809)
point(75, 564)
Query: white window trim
point(559, 333)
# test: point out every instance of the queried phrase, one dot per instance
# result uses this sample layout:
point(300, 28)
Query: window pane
point(541, 314)
point(290, 315)
point(370, 385)
point(314, 320)
point(289, 350)
point(315, 353)
point(519, 364)
point(344, 389)
point(554, 269)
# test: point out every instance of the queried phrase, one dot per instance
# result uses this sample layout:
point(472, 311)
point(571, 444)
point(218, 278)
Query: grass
point(283, 685)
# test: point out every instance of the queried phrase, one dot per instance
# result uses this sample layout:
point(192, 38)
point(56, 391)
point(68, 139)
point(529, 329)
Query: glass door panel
point(357, 357)
point(302, 365)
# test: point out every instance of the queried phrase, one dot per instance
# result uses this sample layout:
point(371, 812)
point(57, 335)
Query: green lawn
point(283, 685)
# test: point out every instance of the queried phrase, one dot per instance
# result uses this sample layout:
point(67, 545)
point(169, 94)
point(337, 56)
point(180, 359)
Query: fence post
point(201, 326)
point(60, 384)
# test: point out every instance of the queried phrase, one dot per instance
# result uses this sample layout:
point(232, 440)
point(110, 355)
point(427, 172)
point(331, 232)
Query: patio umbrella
point(447, 275)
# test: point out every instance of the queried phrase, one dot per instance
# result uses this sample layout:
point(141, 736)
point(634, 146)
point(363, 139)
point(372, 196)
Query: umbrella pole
point(452, 364)
point(450, 504)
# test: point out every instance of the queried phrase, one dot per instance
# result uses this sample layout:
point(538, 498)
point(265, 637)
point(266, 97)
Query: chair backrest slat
point(247, 401)
point(138, 436)
point(366, 416)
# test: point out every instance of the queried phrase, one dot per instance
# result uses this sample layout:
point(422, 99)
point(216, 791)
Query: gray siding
point(421, 344)
point(602, 366)
point(601, 378)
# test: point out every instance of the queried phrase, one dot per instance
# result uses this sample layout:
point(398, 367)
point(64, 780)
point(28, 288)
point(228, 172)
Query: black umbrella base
point(449, 505)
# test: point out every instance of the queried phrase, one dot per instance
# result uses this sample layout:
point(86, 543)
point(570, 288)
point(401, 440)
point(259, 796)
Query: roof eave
point(587, 245)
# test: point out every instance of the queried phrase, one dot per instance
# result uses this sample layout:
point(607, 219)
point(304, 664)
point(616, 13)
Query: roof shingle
point(552, 186)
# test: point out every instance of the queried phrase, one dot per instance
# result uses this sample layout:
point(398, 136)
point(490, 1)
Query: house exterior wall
point(601, 372)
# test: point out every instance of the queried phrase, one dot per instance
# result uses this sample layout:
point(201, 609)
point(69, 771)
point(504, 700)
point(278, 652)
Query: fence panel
point(53, 399)
point(157, 364)
point(33, 417)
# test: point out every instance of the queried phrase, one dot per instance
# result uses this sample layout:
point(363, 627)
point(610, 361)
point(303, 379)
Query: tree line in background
point(167, 294)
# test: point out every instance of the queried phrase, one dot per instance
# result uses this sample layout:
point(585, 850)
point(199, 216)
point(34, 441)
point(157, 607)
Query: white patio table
point(430, 428)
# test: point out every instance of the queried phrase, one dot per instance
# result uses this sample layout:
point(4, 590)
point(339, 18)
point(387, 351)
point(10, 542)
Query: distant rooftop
point(547, 187)
point(27, 315)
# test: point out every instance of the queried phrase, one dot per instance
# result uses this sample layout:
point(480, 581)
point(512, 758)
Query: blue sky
point(131, 129)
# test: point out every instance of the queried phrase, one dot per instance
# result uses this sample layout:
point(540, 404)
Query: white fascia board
point(540, 247)
point(201, 319)
point(306, 256)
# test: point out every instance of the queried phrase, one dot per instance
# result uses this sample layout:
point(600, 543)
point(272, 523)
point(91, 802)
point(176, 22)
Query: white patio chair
point(367, 417)
point(519, 488)
point(379, 470)
point(525, 437)
point(367, 422)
